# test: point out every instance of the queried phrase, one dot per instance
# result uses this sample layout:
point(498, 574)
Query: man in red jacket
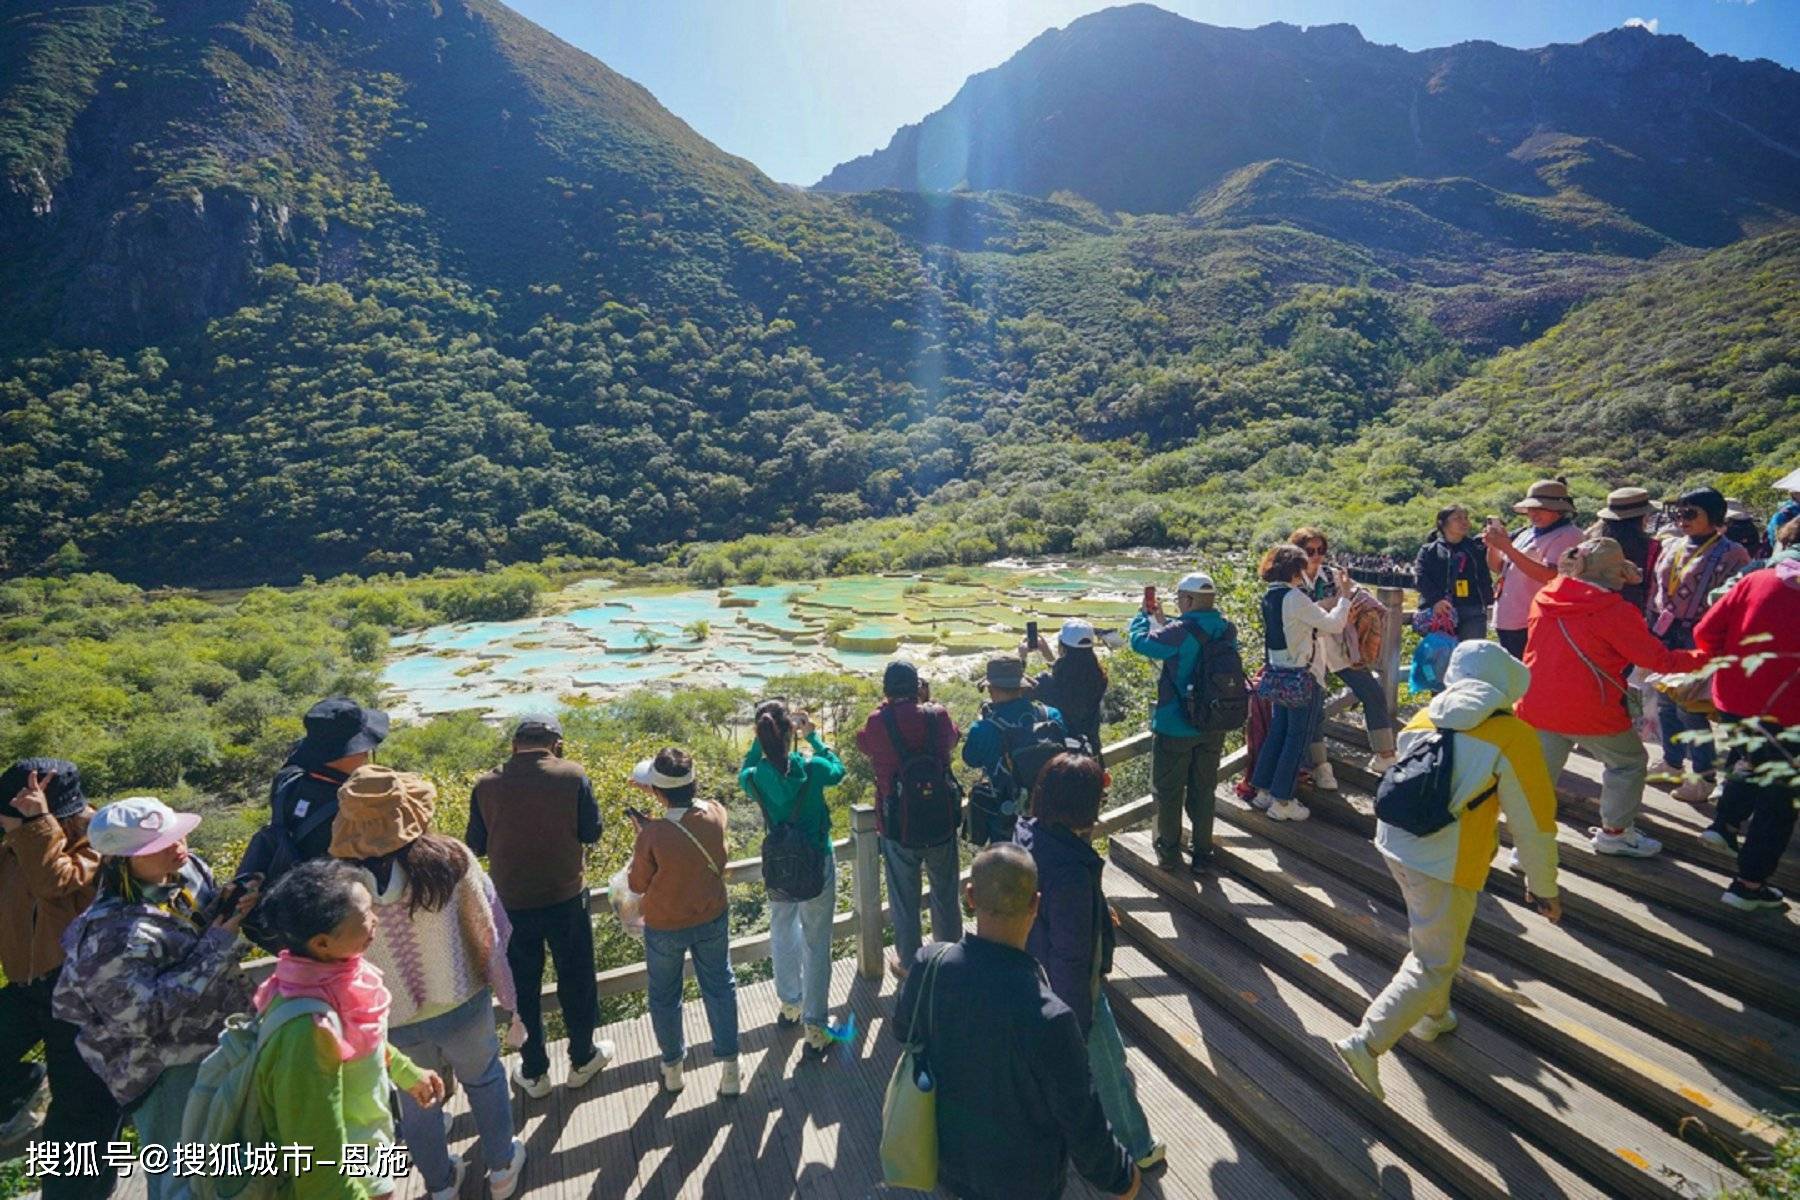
point(1584, 638)
point(1759, 616)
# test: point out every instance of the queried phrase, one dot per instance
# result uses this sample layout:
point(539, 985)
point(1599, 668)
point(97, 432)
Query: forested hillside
point(319, 286)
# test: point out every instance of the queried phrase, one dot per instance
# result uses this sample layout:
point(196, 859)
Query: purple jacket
point(920, 725)
point(1073, 936)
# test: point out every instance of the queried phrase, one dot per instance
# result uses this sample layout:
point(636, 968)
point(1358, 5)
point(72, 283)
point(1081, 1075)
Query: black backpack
point(924, 804)
point(1216, 697)
point(997, 803)
point(274, 850)
point(793, 865)
point(1415, 793)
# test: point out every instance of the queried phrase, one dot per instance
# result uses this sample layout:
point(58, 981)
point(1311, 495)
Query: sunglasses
point(1686, 514)
point(1315, 551)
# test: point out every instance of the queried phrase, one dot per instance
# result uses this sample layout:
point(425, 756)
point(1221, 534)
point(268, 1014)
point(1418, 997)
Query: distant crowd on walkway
point(393, 944)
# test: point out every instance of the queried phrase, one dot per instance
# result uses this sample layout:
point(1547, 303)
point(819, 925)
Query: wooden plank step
point(1425, 1116)
point(1667, 880)
point(1328, 1149)
point(1675, 824)
point(1726, 955)
point(1710, 1106)
point(1715, 1023)
point(1541, 1109)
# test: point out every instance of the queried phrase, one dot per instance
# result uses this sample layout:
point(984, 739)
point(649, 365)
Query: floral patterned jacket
point(148, 987)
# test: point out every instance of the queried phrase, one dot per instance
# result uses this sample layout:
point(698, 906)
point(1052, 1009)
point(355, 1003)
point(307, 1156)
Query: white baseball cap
point(1789, 482)
point(1197, 581)
point(138, 825)
point(1077, 633)
point(645, 774)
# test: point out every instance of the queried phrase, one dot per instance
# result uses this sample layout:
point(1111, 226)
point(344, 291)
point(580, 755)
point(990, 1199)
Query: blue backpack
point(1429, 662)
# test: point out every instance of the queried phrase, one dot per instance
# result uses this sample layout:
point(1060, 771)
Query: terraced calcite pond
point(599, 640)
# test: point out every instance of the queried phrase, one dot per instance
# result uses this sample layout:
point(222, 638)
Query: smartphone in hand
point(924, 691)
point(1150, 599)
point(1031, 635)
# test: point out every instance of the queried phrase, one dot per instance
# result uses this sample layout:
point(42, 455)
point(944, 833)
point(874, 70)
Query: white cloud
point(1642, 23)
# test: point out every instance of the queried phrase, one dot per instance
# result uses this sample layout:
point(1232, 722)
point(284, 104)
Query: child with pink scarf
point(324, 1082)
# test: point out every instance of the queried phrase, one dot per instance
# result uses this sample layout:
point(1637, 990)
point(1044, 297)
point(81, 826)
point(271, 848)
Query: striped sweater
point(435, 961)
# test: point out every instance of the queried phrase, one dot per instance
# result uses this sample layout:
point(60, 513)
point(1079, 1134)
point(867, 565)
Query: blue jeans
point(665, 950)
point(1672, 719)
point(1113, 1083)
point(461, 1040)
point(1290, 732)
point(157, 1117)
point(800, 944)
point(904, 869)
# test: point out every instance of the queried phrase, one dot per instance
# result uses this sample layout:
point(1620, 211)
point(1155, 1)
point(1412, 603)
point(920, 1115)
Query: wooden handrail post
point(867, 848)
point(1395, 600)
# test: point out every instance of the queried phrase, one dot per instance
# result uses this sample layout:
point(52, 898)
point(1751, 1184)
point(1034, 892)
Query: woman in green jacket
point(323, 1082)
point(790, 786)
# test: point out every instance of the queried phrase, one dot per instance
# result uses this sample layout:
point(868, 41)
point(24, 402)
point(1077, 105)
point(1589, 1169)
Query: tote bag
point(909, 1145)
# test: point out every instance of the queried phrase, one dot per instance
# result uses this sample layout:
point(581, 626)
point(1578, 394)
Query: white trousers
point(1438, 915)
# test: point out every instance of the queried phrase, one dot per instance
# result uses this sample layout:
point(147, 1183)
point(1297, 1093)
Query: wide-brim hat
point(381, 810)
point(138, 825)
point(1789, 482)
point(1600, 561)
point(337, 728)
point(63, 791)
point(1626, 503)
point(1552, 494)
point(1006, 671)
point(645, 774)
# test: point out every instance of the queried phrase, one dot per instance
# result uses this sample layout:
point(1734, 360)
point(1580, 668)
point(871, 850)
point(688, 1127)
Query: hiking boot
point(579, 1075)
point(1288, 810)
point(1720, 837)
point(731, 1081)
point(1356, 1056)
point(1627, 843)
point(1695, 789)
point(671, 1075)
point(460, 1168)
point(818, 1041)
point(1154, 1156)
point(1749, 897)
point(504, 1182)
point(534, 1086)
point(1201, 865)
point(1430, 1029)
point(788, 1017)
point(1168, 862)
point(1262, 800)
point(1380, 764)
point(1324, 778)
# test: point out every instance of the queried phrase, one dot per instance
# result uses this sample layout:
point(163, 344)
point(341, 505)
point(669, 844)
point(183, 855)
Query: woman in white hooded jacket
point(1496, 755)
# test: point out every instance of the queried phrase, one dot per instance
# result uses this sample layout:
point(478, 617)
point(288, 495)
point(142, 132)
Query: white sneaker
point(579, 1076)
point(788, 1017)
point(504, 1182)
point(448, 1119)
point(1512, 861)
point(731, 1081)
point(1153, 1157)
point(1289, 810)
point(460, 1166)
point(671, 1073)
point(818, 1041)
point(1693, 790)
point(1356, 1056)
point(536, 1087)
point(1324, 778)
point(1629, 843)
point(1262, 800)
point(1429, 1029)
point(1380, 764)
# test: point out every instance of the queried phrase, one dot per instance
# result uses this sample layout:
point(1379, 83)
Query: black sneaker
point(1752, 896)
point(1171, 865)
point(1720, 837)
point(1201, 866)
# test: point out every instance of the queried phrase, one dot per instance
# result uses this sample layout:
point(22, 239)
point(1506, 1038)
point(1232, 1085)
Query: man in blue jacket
point(1184, 762)
point(1005, 729)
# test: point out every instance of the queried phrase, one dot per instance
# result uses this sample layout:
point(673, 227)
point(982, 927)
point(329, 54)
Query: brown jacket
point(47, 879)
point(531, 817)
point(679, 888)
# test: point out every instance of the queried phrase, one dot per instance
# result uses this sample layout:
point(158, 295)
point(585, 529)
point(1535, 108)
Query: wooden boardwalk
point(1632, 1051)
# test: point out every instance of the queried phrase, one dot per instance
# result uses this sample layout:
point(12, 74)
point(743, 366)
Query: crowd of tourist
point(394, 944)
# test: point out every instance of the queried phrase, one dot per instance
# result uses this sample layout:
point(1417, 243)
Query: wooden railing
point(867, 917)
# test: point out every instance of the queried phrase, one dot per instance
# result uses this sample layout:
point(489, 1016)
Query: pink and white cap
point(138, 825)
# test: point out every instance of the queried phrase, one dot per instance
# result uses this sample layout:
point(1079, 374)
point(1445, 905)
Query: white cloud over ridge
point(1649, 23)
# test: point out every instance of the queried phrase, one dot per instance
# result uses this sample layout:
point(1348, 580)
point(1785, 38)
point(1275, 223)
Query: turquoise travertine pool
point(600, 640)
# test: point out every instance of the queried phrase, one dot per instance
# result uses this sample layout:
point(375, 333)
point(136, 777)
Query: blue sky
point(798, 86)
